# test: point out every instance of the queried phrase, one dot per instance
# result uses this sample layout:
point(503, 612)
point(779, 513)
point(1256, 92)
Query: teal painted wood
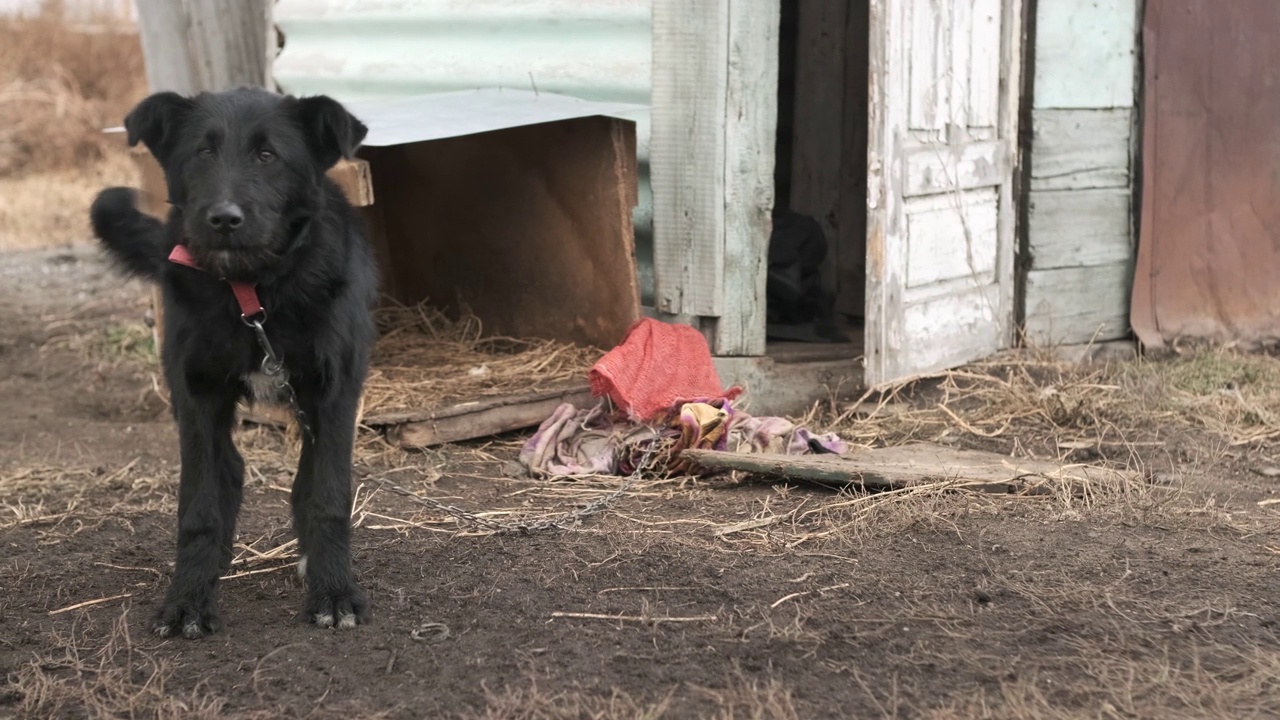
point(1080, 214)
point(1085, 53)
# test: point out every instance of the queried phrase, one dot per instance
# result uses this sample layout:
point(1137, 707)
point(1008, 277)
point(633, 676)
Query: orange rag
point(657, 366)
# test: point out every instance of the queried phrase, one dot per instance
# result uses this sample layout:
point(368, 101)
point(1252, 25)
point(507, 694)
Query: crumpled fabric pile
point(661, 395)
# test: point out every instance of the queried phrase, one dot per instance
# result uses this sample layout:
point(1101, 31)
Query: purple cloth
point(597, 442)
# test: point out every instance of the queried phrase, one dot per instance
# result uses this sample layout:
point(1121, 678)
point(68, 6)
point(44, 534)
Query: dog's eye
point(266, 156)
point(205, 152)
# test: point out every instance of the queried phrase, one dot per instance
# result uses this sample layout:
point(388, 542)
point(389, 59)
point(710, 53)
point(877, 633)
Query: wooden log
point(468, 421)
point(908, 465)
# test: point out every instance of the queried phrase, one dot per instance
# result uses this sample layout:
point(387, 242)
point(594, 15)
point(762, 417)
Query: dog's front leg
point(209, 492)
point(322, 511)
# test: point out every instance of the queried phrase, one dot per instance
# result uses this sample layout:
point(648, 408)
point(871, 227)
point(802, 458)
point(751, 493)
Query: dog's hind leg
point(322, 512)
point(209, 494)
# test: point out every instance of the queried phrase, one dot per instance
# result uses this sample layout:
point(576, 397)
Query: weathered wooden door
point(943, 96)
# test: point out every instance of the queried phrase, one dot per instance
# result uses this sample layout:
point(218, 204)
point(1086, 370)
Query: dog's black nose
point(225, 217)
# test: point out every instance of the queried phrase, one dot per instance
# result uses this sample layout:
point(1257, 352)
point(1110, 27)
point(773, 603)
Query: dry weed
point(106, 676)
point(531, 703)
point(51, 208)
point(425, 360)
point(1205, 682)
point(61, 84)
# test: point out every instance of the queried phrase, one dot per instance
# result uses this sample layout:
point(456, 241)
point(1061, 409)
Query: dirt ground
point(1154, 600)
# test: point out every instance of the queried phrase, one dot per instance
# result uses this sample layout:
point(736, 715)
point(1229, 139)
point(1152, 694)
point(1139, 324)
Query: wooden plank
point(1074, 228)
point(1078, 305)
point(950, 329)
point(751, 113)
point(1085, 54)
point(818, 126)
point(950, 241)
point(355, 179)
point(192, 46)
point(687, 154)
point(914, 464)
point(927, 55)
point(529, 228)
point(984, 83)
point(481, 419)
point(576, 393)
point(1012, 35)
point(1081, 149)
point(886, 115)
point(935, 170)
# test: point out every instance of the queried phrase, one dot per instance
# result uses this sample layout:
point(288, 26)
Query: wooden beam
point(750, 126)
point(687, 154)
point(191, 46)
point(909, 465)
point(476, 419)
point(714, 117)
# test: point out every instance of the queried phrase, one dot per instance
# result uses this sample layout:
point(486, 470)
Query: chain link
point(562, 521)
point(273, 367)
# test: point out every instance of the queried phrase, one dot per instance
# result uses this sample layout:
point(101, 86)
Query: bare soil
point(1160, 601)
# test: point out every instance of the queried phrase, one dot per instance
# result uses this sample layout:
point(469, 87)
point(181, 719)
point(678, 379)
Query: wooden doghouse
point(513, 206)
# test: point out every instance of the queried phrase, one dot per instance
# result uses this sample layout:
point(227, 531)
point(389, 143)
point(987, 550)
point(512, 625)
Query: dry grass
point(110, 675)
point(425, 360)
point(742, 698)
point(60, 85)
point(1036, 406)
point(51, 208)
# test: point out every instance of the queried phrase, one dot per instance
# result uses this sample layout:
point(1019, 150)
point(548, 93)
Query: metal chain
point(562, 521)
point(273, 367)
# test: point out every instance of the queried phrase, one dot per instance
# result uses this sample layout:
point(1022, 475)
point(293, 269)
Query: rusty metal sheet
point(1209, 253)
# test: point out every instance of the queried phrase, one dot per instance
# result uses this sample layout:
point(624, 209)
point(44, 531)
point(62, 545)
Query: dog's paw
point(112, 208)
point(343, 610)
point(187, 617)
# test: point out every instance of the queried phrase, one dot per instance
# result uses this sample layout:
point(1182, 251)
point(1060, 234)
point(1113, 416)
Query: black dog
point(254, 212)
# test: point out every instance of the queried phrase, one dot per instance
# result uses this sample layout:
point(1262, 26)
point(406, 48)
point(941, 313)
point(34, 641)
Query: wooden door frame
point(714, 120)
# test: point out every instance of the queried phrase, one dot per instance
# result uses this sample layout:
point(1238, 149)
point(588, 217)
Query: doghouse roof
point(418, 118)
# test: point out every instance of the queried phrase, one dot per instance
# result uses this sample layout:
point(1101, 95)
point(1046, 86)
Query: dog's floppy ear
point(155, 121)
point(332, 132)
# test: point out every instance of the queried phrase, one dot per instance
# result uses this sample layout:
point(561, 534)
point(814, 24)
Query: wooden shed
point(969, 161)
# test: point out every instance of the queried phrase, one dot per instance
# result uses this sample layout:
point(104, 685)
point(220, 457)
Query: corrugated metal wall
point(593, 49)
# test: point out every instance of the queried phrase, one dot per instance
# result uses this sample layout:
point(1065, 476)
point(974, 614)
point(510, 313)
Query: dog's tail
point(135, 240)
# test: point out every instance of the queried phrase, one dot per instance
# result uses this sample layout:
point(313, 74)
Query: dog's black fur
point(246, 178)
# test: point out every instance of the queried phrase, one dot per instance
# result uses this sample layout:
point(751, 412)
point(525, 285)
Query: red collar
point(246, 294)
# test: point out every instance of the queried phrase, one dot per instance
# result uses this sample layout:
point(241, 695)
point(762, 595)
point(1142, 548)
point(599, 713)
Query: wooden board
point(907, 465)
point(196, 45)
point(1081, 149)
point(528, 228)
point(479, 419)
point(1078, 305)
point(714, 101)
point(687, 155)
point(1079, 228)
point(751, 109)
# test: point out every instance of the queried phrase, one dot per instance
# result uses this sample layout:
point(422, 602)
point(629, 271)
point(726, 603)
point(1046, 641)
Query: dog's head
point(244, 167)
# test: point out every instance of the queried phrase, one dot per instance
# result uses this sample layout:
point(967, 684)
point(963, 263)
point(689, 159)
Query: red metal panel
point(1209, 253)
